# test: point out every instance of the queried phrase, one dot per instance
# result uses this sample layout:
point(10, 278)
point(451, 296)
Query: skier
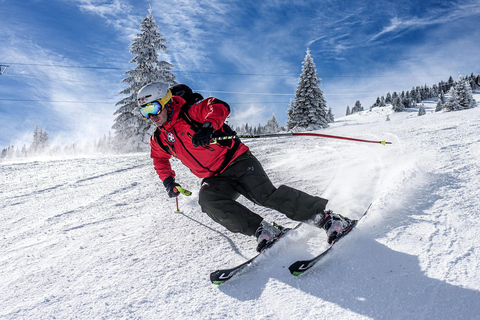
point(186, 125)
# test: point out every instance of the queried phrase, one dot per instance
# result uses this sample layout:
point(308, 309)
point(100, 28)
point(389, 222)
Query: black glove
point(171, 185)
point(203, 136)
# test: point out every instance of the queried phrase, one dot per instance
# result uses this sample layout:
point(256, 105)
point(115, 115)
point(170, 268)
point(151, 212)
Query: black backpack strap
point(156, 136)
point(185, 116)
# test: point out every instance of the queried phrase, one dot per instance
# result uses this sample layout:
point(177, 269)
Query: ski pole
point(252, 136)
point(185, 192)
point(178, 208)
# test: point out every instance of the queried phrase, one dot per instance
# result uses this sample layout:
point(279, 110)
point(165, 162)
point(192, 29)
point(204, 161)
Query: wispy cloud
point(117, 13)
point(71, 121)
point(398, 25)
point(189, 26)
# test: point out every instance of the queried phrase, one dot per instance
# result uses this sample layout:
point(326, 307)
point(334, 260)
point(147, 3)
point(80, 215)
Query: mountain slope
point(95, 238)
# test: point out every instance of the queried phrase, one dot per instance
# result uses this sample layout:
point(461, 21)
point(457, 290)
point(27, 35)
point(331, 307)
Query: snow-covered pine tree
point(330, 116)
point(132, 131)
point(290, 111)
point(388, 99)
point(421, 110)
point(348, 112)
point(450, 83)
point(272, 126)
point(40, 141)
point(358, 107)
point(461, 96)
point(441, 102)
point(310, 108)
point(397, 105)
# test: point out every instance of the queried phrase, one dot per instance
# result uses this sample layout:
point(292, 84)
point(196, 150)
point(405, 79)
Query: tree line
point(452, 95)
point(42, 146)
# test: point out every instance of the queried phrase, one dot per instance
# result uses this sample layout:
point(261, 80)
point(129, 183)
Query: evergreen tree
point(40, 141)
point(421, 110)
point(290, 112)
point(450, 83)
point(418, 97)
point(461, 97)
point(441, 102)
point(358, 107)
point(330, 116)
point(397, 105)
point(348, 111)
point(388, 99)
point(132, 131)
point(272, 125)
point(309, 111)
point(382, 102)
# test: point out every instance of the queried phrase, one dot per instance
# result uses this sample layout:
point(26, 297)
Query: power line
point(113, 102)
point(62, 80)
point(59, 101)
point(226, 73)
point(61, 66)
point(196, 90)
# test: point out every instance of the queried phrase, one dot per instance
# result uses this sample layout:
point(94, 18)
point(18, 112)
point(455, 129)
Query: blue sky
point(248, 53)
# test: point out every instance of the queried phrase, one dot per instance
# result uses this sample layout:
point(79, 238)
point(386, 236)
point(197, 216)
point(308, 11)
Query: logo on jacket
point(170, 137)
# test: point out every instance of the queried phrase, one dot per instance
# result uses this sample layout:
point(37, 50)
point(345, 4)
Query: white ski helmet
point(152, 92)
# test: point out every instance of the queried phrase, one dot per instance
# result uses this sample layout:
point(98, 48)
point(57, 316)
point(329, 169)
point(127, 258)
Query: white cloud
point(117, 13)
point(188, 25)
point(458, 11)
point(252, 114)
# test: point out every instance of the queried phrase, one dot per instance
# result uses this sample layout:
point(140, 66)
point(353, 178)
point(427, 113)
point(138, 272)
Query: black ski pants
point(246, 176)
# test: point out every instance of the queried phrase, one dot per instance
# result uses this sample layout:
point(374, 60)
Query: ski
point(222, 275)
point(299, 267)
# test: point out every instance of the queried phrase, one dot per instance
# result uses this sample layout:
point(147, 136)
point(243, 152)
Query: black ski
point(220, 276)
point(299, 267)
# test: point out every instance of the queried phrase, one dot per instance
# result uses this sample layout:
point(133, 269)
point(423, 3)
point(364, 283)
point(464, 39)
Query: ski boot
point(267, 234)
point(335, 225)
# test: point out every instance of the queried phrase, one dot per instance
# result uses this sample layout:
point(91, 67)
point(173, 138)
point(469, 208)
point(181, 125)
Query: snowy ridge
point(96, 238)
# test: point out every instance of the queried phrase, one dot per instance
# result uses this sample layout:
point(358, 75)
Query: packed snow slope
point(97, 238)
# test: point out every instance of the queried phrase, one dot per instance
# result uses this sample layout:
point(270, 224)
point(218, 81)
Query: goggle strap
point(165, 99)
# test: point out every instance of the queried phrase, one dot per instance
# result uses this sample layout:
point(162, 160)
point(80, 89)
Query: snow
point(97, 238)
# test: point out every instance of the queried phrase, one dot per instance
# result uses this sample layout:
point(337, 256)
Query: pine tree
point(290, 113)
point(388, 99)
point(450, 83)
point(330, 116)
point(358, 107)
point(348, 111)
point(40, 141)
point(272, 125)
point(309, 111)
point(132, 131)
point(397, 105)
point(441, 102)
point(421, 110)
point(461, 97)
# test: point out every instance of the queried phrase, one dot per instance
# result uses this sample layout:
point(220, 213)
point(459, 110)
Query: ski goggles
point(155, 107)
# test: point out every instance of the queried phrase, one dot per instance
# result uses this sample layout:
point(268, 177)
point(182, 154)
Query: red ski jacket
point(174, 138)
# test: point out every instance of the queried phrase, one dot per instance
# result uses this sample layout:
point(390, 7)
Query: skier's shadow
point(387, 285)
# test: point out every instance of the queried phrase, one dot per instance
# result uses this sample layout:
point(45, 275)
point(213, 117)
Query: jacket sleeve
point(161, 160)
point(211, 110)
